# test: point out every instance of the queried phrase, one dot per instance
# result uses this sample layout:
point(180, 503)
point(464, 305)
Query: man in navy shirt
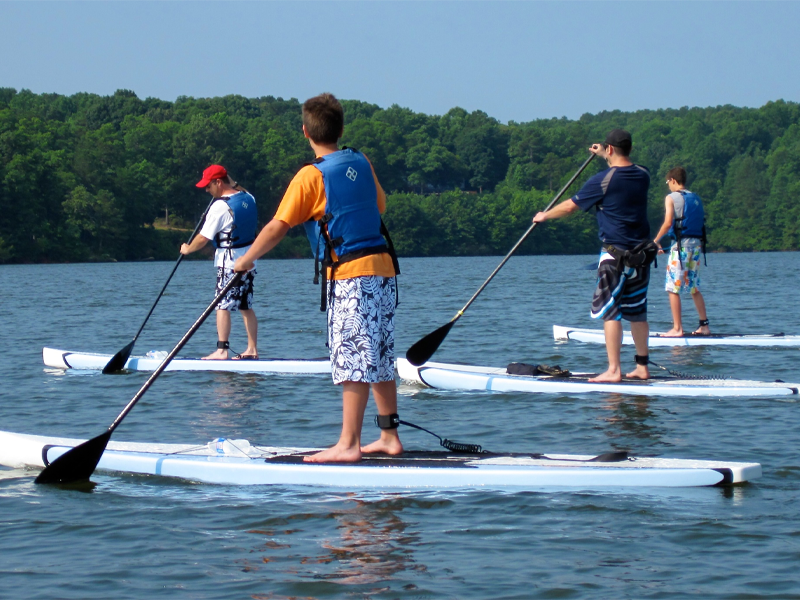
point(619, 197)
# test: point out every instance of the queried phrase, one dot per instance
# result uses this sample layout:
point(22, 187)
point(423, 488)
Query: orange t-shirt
point(305, 200)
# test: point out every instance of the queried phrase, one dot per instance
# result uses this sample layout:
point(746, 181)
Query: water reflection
point(228, 401)
point(365, 544)
point(626, 417)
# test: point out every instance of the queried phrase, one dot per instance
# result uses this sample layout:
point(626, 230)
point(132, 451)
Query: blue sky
point(514, 60)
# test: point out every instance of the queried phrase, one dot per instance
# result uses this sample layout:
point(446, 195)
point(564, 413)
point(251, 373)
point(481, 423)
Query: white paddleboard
point(596, 336)
point(467, 377)
point(267, 465)
point(63, 359)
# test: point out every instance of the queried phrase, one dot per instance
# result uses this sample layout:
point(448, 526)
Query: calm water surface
point(146, 537)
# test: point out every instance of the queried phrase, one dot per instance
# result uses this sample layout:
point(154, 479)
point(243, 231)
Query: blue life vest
point(242, 207)
point(690, 225)
point(351, 226)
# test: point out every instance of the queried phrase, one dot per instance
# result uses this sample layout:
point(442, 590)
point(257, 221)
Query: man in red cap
point(231, 226)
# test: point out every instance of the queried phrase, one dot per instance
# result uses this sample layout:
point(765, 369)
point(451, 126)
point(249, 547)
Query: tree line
point(88, 177)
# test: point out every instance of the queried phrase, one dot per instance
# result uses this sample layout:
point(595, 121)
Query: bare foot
point(336, 453)
point(673, 333)
point(391, 446)
point(704, 330)
point(640, 372)
point(610, 376)
point(217, 355)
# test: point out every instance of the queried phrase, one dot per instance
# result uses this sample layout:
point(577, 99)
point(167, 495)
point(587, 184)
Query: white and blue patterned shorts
point(240, 296)
point(361, 329)
point(683, 271)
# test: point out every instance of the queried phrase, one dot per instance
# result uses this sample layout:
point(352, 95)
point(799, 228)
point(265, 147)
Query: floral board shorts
point(620, 294)
point(239, 297)
point(684, 276)
point(361, 329)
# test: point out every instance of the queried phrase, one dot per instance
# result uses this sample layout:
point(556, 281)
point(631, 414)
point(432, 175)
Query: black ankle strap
point(703, 322)
point(387, 421)
point(642, 360)
point(223, 345)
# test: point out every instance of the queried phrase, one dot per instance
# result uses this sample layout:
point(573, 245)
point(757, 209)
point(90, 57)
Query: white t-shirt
point(220, 219)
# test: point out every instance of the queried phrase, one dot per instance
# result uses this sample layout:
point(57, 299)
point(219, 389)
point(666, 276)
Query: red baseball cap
point(211, 173)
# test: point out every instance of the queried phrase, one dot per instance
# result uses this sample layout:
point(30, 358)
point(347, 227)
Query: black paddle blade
point(117, 362)
point(422, 351)
point(76, 464)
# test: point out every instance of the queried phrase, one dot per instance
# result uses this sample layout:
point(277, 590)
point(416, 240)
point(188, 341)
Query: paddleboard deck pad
point(467, 377)
point(267, 465)
point(63, 359)
point(596, 336)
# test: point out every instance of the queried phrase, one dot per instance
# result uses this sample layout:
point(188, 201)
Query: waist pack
point(641, 255)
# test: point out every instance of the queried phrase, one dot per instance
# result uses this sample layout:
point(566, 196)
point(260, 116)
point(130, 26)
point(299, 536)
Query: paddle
point(78, 463)
point(424, 348)
point(118, 361)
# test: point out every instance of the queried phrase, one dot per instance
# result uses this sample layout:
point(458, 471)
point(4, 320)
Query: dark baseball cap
point(619, 138)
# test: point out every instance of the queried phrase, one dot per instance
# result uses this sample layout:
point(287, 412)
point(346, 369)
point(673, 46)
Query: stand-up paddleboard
point(467, 377)
point(596, 336)
point(63, 359)
point(239, 463)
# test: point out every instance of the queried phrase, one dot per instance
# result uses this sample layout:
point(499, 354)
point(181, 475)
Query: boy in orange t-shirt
point(339, 196)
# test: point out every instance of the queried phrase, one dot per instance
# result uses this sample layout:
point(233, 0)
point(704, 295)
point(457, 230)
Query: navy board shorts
point(240, 296)
point(620, 294)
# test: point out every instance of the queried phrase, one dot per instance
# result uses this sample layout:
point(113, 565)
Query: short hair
point(678, 174)
point(624, 149)
point(323, 118)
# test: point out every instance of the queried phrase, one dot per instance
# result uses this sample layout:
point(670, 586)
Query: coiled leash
point(645, 360)
point(393, 421)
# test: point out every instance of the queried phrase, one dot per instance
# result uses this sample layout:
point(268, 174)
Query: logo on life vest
point(244, 204)
point(351, 174)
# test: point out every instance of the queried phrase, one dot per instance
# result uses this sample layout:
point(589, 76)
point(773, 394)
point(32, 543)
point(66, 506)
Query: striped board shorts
point(620, 294)
point(683, 274)
point(361, 329)
point(239, 297)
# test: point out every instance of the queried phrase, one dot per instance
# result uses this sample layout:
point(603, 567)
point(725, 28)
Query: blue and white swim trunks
point(620, 294)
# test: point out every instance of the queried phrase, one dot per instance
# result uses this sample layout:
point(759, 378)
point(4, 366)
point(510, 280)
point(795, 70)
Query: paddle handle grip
point(237, 276)
point(555, 199)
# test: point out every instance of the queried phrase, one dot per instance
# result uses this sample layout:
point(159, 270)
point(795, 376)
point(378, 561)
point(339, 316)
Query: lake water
point(148, 537)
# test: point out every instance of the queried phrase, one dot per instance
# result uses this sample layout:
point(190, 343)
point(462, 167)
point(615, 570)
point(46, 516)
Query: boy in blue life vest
point(339, 200)
point(230, 225)
point(684, 221)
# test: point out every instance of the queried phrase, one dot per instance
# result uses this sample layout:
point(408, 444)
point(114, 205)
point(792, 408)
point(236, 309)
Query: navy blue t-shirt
point(620, 196)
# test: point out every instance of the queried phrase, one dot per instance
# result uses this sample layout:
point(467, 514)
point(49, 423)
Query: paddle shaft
point(233, 281)
point(175, 268)
point(524, 237)
point(78, 463)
